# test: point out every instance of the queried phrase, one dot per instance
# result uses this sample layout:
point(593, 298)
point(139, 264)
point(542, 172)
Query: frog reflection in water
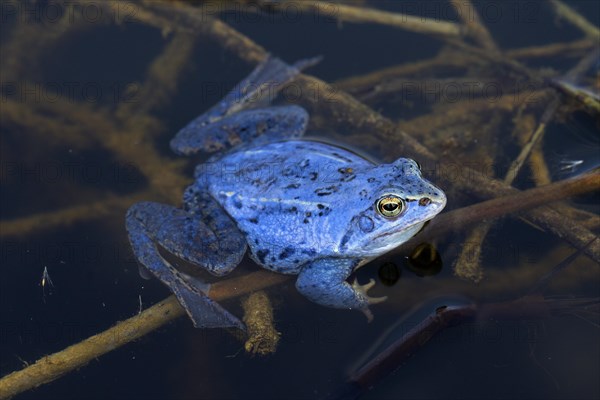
point(301, 206)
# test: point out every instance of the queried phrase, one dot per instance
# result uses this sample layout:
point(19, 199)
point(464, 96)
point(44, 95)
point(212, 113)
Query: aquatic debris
point(258, 317)
point(46, 281)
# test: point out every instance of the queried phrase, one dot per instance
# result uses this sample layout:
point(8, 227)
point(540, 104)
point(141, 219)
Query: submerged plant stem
point(573, 48)
point(49, 368)
point(258, 317)
point(575, 18)
point(343, 12)
point(475, 27)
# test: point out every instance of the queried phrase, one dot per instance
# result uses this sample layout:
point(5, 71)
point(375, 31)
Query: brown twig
point(575, 18)
point(453, 59)
point(570, 49)
point(347, 13)
point(542, 284)
point(29, 41)
point(68, 216)
point(372, 80)
point(161, 78)
point(45, 121)
point(475, 28)
point(51, 367)
point(258, 317)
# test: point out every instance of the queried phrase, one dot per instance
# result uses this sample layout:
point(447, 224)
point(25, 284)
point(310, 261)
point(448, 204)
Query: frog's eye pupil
point(390, 206)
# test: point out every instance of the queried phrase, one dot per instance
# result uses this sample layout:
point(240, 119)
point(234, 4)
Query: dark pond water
point(91, 96)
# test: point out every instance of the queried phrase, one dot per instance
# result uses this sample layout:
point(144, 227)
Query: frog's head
point(398, 203)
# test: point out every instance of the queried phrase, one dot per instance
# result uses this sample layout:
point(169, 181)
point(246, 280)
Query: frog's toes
point(367, 314)
point(362, 289)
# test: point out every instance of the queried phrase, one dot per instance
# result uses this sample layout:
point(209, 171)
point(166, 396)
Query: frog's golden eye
point(390, 206)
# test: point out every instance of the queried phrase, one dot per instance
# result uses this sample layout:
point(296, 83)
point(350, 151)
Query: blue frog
point(302, 207)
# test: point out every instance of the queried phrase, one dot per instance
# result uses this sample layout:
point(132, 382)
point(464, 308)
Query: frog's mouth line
point(435, 209)
point(404, 230)
point(388, 241)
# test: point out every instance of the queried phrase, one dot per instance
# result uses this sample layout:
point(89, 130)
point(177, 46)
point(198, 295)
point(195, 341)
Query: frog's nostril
point(424, 201)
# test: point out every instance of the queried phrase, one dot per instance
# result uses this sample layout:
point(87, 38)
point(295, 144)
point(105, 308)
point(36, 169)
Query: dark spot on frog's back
point(327, 190)
point(293, 186)
point(310, 252)
point(261, 254)
point(253, 220)
point(237, 204)
point(323, 210)
point(291, 170)
point(313, 176)
point(291, 210)
point(308, 214)
point(287, 252)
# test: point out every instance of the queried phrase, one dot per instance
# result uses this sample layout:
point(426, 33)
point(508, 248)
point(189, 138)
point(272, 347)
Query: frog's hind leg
point(256, 126)
point(239, 119)
point(184, 235)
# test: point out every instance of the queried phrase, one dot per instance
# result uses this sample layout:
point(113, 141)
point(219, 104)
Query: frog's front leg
point(324, 282)
point(183, 234)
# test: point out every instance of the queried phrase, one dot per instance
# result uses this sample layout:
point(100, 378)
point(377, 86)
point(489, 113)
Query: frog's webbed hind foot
point(238, 118)
point(185, 236)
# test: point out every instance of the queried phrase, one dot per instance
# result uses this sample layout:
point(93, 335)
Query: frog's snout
point(425, 201)
point(438, 201)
